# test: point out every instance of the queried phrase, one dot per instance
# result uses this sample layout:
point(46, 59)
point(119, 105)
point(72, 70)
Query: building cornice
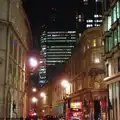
point(90, 30)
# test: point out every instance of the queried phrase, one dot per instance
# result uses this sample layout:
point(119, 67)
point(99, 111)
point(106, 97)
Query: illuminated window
point(109, 22)
point(76, 17)
point(118, 33)
point(89, 25)
point(103, 43)
point(118, 9)
point(94, 43)
point(114, 14)
point(79, 20)
point(98, 0)
point(95, 57)
point(115, 37)
point(89, 21)
point(88, 46)
point(98, 21)
point(96, 16)
point(97, 25)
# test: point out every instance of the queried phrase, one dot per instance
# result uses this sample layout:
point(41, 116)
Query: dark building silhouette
point(88, 14)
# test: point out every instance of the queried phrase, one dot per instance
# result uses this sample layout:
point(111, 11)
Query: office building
point(88, 15)
point(42, 70)
point(57, 46)
point(111, 37)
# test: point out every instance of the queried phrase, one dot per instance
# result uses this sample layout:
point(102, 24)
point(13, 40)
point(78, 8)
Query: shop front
point(76, 112)
point(89, 105)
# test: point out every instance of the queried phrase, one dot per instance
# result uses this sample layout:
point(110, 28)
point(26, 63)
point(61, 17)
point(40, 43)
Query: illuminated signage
point(75, 105)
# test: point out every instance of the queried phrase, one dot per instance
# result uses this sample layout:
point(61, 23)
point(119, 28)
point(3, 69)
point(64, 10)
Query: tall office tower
point(88, 14)
point(57, 46)
point(42, 70)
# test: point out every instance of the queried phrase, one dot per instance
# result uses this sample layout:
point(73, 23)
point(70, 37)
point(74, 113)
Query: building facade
point(56, 48)
point(111, 38)
point(44, 104)
point(88, 15)
point(14, 33)
point(57, 96)
point(85, 72)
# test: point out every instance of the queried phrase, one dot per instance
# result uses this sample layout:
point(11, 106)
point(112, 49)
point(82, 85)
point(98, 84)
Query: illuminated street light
point(34, 99)
point(33, 62)
point(41, 61)
point(34, 89)
point(42, 94)
point(65, 83)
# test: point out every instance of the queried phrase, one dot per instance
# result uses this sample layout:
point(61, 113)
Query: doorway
point(97, 110)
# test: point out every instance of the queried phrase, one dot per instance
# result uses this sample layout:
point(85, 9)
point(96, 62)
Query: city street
point(59, 60)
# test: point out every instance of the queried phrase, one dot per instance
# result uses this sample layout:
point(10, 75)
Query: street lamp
point(34, 89)
point(34, 99)
point(42, 94)
point(66, 85)
point(33, 62)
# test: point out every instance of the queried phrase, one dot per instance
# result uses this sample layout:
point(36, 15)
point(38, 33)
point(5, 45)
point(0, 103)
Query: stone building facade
point(111, 38)
point(44, 104)
point(85, 73)
point(14, 36)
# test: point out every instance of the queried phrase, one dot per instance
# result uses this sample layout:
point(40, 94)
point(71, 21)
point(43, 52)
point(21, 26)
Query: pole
point(64, 109)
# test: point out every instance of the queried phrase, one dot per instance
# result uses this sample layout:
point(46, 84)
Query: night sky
point(39, 12)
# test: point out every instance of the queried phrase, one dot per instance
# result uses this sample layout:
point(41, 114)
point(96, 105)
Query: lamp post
point(34, 101)
point(66, 85)
point(34, 90)
point(33, 63)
